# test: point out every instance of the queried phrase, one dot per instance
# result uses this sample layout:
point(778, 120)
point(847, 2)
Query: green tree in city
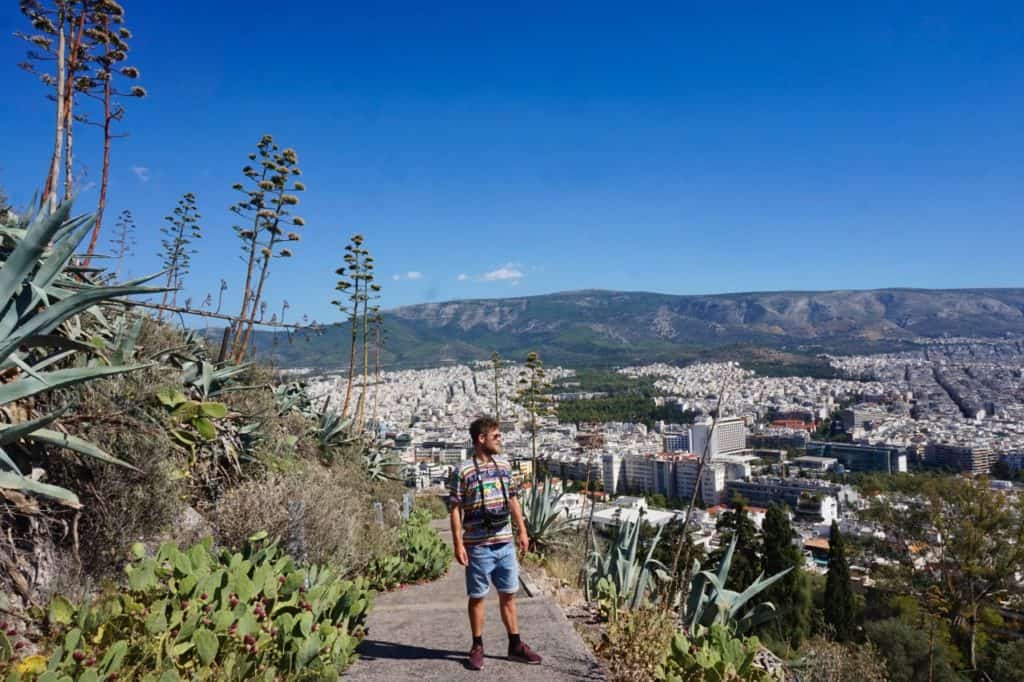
point(840, 611)
point(908, 654)
point(181, 229)
point(746, 558)
point(971, 537)
point(533, 396)
point(792, 594)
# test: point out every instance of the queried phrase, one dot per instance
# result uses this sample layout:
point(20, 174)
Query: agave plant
point(709, 603)
point(546, 521)
point(294, 397)
point(377, 460)
point(333, 433)
point(211, 380)
point(41, 295)
point(620, 578)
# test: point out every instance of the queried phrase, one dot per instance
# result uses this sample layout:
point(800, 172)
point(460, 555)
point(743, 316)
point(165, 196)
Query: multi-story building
point(613, 473)
point(777, 439)
point(712, 483)
point(818, 498)
point(1014, 460)
point(675, 442)
point(855, 457)
point(727, 435)
point(860, 416)
point(977, 460)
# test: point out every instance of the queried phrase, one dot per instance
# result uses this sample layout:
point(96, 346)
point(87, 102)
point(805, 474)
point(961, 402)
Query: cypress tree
point(839, 609)
point(746, 558)
point(791, 595)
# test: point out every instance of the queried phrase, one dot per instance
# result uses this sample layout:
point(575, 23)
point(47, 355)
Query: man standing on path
point(482, 498)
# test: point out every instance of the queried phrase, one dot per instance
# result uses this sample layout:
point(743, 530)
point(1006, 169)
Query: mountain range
point(604, 328)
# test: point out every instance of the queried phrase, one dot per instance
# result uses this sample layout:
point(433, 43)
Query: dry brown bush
point(823, 660)
point(320, 513)
point(120, 506)
point(564, 563)
point(634, 645)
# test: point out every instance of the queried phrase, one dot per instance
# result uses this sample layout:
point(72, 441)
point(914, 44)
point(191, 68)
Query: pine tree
point(791, 595)
point(746, 558)
point(839, 606)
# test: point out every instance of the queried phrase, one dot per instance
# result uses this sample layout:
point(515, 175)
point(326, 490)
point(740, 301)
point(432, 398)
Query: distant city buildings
point(975, 460)
point(860, 457)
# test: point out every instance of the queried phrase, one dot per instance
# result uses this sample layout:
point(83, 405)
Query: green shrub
point(211, 615)
point(712, 655)
point(422, 556)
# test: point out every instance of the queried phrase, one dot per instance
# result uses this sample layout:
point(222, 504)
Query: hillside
point(596, 327)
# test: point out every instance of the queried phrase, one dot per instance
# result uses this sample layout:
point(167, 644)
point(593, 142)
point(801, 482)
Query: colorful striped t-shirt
point(464, 490)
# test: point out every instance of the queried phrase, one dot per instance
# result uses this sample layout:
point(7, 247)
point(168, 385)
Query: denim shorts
point(492, 563)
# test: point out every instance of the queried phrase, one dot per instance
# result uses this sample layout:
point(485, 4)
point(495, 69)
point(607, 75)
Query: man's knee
point(506, 597)
point(476, 601)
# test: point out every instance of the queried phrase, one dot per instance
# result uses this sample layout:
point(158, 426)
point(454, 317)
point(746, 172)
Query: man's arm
point(455, 518)
point(455, 515)
point(523, 539)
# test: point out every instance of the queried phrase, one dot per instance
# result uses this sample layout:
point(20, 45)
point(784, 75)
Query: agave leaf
point(723, 568)
point(79, 445)
point(13, 481)
point(29, 250)
point(759, 585)
point(127, 342)
point(60, 378)
point(15, 432)
point(47, 320)
point(53, 262)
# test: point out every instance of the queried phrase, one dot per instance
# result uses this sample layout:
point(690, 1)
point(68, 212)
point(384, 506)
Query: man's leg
point(506, 580)
point(476, 615)
point(507, 603)
point(477, 586)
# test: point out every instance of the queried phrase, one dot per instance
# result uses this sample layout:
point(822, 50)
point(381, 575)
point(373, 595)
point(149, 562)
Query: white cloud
point(508, 271)
point(462, 277)
point(141, 172)
point(412, 274)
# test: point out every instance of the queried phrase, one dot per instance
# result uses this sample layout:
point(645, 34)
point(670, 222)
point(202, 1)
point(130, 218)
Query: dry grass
point(634, 645)
point(564, 564)
point(433, 504)
point(323, 514)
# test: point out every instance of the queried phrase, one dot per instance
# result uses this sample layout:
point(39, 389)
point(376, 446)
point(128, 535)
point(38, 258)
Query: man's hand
point(460, 554)
point(523, 541)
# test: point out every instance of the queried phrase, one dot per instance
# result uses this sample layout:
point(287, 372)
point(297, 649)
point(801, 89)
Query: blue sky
point(492, 151)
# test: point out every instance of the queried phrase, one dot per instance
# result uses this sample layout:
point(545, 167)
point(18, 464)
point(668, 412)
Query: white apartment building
point(728, 435)
point(712, 482)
